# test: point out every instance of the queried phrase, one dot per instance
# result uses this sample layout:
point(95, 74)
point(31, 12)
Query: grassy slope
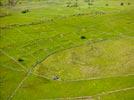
point(35, 43)
point(102, 59)
point(36, 88)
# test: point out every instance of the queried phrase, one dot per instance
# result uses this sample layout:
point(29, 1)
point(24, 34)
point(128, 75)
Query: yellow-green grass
point(122, 95)
point(9, 80)
point(101, 59)
point(44, 10)
point(50, 37)
point(93, 67)
point(37, 88)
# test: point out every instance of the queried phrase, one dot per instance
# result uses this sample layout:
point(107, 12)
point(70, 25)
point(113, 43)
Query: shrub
point(68, 4)
point(83, 37)
point(1, 4)
point(129, 3)
point(122, 4)
point(20, 60)
point(107, 4)
point(25, 11)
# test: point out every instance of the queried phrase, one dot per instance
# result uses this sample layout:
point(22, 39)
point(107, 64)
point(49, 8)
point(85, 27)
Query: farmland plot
point(67, 50)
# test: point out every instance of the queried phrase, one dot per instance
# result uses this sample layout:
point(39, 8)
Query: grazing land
point(67, 50)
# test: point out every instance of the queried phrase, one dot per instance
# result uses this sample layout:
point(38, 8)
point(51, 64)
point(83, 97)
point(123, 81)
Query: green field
point(67, 50)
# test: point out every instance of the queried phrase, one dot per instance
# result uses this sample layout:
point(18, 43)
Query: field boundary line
point(114, 91)
point(28, 74)
point(97, 78)
point(35, 65)
point(75, 46)
point(44, 21)
point(22, 81)
point(92, 96)
point(22, 66)
point(41, 76)
point(11, 68)
point(19, 85)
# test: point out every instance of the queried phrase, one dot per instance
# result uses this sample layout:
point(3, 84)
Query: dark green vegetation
point(63, 49)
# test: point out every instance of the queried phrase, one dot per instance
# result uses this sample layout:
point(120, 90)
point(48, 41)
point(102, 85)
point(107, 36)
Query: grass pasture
point(56, 51)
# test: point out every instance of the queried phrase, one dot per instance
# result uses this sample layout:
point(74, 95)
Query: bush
point(90, 4)
point(1, 4)
point(122, 4)
point(129, 3)
point(25, 11)
point(20, 60)
point(83, 37)
point(107, 4)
